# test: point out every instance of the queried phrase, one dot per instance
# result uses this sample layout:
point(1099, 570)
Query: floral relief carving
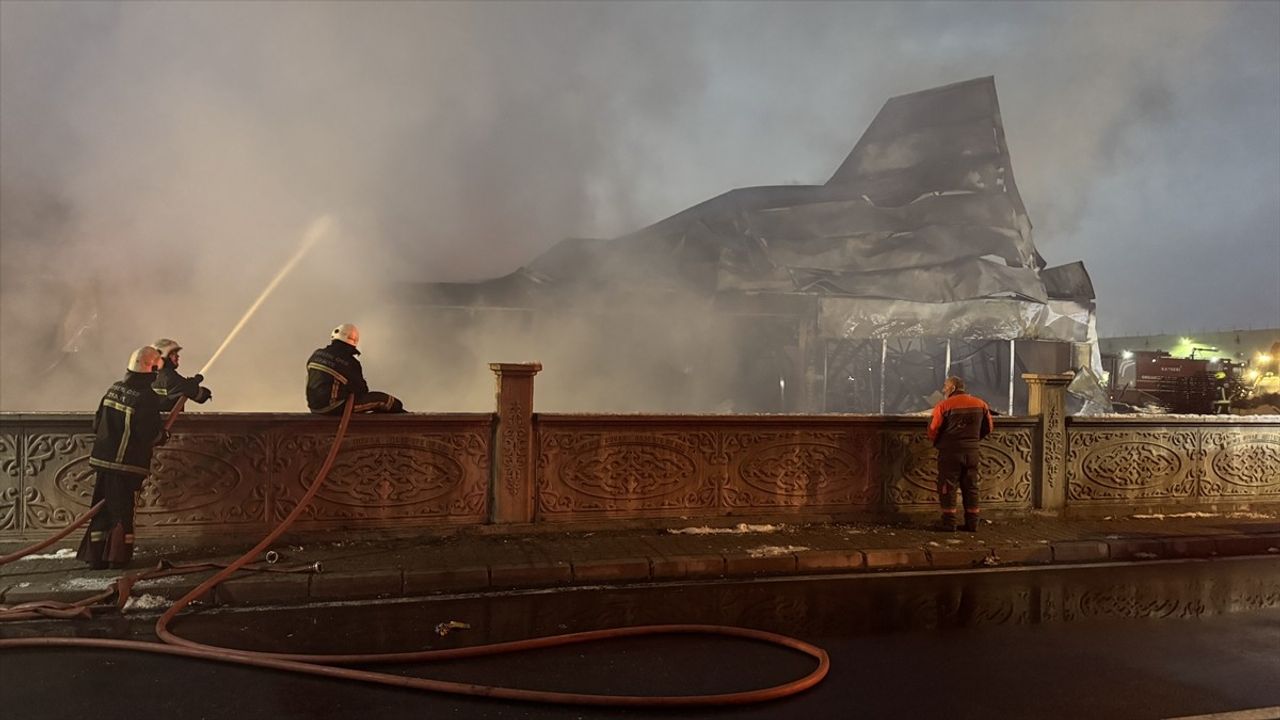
point(9, 460)
point(384, 478)
point(1241, 464)
point(600, 472)
point(515, 447)
point(9, 508)
point(627, 469)
point(1131, 465)
point(1118, 465)
point(813, 469)
point(1053, 444)
point(39, 513)
point(1004, 469)
point(41, 449)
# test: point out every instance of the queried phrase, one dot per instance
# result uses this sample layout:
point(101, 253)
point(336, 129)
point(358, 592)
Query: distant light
point(1126, 354)
point(1264, 357)
point(1251, 375)
point(1185, 341)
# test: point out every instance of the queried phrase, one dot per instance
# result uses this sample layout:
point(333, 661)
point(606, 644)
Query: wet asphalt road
point(1150, 641)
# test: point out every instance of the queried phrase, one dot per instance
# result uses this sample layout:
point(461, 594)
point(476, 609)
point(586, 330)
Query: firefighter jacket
point(333, 373)
point(172, 387)
point(128, 425)
point(960, 422)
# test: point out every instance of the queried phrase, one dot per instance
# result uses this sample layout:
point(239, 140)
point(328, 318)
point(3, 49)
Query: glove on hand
point(205, 395)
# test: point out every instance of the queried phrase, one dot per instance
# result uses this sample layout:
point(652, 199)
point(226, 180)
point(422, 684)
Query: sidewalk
point(467, 561)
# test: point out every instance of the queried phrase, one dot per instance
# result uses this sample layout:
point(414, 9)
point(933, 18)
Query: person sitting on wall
point(169, 384)
point(334, 372)
point(958, 425)
point(128, 426)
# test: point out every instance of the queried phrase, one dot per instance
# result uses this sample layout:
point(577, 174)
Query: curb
point(275, 589)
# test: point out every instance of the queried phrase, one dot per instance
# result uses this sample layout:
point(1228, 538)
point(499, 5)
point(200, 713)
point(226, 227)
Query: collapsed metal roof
point(920, 232)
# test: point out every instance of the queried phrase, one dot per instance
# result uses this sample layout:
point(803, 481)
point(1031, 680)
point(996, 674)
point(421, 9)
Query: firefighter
point(128, 426)
point(171, 386)
point(334, 372)
point(956, 429)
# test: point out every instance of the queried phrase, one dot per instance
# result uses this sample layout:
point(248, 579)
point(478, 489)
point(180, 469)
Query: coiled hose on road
point(329, 665)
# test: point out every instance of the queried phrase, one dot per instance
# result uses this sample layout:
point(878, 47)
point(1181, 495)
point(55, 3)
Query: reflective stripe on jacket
point(333, 373)
point(127, 426)
point(960, 422)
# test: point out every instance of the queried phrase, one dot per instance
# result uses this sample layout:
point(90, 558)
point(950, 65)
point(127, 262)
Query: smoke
point(160, 162)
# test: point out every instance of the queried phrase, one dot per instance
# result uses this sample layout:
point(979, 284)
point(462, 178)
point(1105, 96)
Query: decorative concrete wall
point(1123, 464)
point(237, 475)
point(602, 466)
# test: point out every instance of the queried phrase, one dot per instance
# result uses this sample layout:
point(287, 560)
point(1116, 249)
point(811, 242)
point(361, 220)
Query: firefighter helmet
point(166, 346)
point(347, 333)
point(144, 360)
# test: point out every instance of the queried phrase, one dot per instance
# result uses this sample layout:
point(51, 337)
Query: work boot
point(971, 521)
point(947, 523)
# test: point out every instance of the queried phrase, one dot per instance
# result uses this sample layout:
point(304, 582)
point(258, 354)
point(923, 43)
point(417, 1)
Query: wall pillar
point(1047, 399)
point(513, 461)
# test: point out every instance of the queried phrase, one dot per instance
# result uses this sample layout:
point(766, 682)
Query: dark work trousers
point(109, 539)
point(371, 402)
point(958, 468)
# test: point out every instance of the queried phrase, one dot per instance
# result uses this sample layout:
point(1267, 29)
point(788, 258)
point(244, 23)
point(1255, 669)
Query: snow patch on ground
point(86, 583)
point(1242, 515)
point(63, 554)
point(145, 602)
point(774, 550)
point(740, 529)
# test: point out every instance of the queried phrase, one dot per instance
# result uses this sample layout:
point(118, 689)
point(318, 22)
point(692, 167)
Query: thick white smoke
point(159, 162)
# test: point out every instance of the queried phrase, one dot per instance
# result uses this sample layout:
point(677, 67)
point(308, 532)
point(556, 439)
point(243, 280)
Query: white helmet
point(347, 333)
point(145, 360)
point(166, 346)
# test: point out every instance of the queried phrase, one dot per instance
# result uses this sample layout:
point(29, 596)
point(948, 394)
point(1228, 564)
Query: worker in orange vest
point(958, 425)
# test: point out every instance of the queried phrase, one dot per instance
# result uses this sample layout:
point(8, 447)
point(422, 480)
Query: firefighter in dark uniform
point(128, 426)
point(334, 372)
point(171, 386)
point(958, 425)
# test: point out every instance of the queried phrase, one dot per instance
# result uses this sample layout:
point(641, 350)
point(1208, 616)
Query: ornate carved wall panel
point(1006, 471)
point(682, 466)
point(54, 468)
point(1134, 463)
point(239, 475)
point(1241, 465)
point(384, 480)
point(11, 481)
point(629, 471)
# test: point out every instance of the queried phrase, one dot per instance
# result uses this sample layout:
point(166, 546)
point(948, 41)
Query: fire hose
point(30, 549)
point(330, 665)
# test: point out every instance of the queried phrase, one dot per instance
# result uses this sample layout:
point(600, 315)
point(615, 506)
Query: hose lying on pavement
point(325, 665)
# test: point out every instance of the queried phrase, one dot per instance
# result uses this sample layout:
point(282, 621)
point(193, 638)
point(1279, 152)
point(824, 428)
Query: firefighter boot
point(971, 522)
point(947, 523)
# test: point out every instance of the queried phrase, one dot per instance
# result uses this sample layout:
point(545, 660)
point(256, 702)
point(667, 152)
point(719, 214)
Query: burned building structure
point(913, 261)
